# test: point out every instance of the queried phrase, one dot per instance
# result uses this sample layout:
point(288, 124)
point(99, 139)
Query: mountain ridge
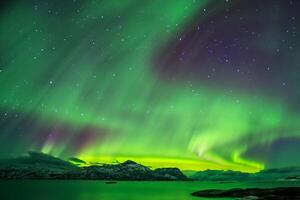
point(43, 166)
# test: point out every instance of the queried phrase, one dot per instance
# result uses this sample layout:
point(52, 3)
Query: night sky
point(194, 84)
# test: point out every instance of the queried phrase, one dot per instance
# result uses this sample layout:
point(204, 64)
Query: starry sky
point(194, 84)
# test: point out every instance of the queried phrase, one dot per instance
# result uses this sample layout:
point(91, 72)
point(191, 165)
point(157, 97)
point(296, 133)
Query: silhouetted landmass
point(253, 193)
point(220, 175)
point(288, 173)
point(170, 173)
point(42, 166)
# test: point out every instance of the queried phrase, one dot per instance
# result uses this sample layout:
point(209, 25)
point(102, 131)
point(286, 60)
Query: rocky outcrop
point(284, 193)
point(171, 173)
point(42, 166)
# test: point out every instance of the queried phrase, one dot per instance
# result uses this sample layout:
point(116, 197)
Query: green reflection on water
point(125, 190)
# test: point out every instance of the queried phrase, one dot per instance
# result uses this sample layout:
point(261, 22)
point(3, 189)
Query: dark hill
point(287, 173)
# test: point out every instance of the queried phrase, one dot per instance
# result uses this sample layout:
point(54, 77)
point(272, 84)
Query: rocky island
point(281, 193)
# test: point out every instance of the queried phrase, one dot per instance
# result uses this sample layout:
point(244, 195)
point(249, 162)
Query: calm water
point(125, 190)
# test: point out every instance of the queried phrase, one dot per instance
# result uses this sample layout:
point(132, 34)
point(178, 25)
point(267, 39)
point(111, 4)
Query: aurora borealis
point(195, 84)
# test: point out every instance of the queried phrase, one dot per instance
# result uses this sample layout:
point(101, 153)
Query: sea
point(120, 190)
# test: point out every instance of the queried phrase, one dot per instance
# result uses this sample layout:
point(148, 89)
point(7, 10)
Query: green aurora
point(81, 74)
